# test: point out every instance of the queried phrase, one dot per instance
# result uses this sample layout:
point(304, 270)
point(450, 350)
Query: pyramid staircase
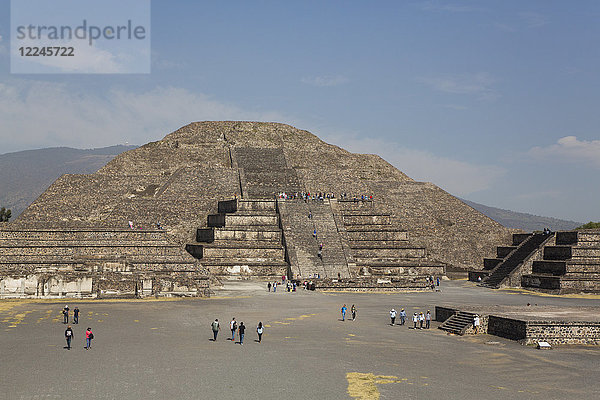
point(513, 257)
point(379, 247)
point(243, 239)
point(458, 323)
point(571, 264)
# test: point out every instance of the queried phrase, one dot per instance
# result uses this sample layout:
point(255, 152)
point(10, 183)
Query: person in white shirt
point(393, 316)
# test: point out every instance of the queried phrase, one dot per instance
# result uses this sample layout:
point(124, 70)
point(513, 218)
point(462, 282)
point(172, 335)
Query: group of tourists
point(291, 286)
point(417, 319)
point(433, 282)
point(234, 327)
point(69, 331)
point(306, 196)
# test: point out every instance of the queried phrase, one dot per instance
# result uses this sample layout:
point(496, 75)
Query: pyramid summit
point(252, 199)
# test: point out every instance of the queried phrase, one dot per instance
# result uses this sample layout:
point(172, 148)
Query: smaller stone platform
point(528, 324)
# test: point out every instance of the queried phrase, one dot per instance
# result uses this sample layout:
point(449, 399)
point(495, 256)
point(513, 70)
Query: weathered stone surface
point(179, 180)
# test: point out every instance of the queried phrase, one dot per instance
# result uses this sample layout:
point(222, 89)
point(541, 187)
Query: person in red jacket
point(88, 338)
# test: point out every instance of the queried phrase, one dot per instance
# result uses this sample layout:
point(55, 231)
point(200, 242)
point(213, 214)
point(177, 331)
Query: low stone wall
point(369, 284)
point(507, 327)
point(561, 332)
point(443, 313)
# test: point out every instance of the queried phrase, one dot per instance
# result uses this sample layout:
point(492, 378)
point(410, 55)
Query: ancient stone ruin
point(560, 263)
point(206, 203)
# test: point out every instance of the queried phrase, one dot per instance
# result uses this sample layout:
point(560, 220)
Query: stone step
point(245, 244)
point(557, 252)
point(82, 234)
point(541, 281)
point(549, 267)
point(503, 251)
point(367, 219)
point(115, 250)
point(518, 238)
point(259, 253)
point(491, 263)
point(234, 220)
point(386, 253)
point(378, 244)
point(566, 238)
point(377, 235)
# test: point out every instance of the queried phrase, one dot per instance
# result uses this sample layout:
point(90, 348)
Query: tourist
point(427, 319)
point(437, 281)
point(233, 327)
point(69, 336)
point(415, 320)
point(393, 316)
point(76, 315)
point(88, 338)
point(320, 254)
point(269, 286)
point(274, 287)
point(343, 310)
point(65, 312)
point(242, 331)
point(353, 312)
point(315, 234)
point(310, 215)
point(259, 330)
point(476, 324)
point(479, 278)
point(216, 327)
point(402, 317)
point(421, 319)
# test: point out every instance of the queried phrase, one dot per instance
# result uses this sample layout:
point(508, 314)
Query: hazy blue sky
point(495, 101)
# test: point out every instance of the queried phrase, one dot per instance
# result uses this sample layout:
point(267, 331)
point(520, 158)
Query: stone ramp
point(302, 246)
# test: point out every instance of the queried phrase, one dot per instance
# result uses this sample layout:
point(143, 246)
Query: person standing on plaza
point(69, 336)
point(233, 327)
point(415, 320)
point(421, 319)
point(216, 327)
point(76, 315)
point(242, 331)
point(269, 286)
point(476, 324)
point(65, 312)
point(259, 330)
point(353, 312)
point(393, 316)
point(402, 317)
point(343, 311)
point(428, 319)
point(274, 287)
point(88, 338)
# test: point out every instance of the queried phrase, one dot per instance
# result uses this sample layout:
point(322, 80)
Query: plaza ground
point(162, 349)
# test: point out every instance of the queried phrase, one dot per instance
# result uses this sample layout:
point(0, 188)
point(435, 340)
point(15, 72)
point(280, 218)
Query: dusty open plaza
point(162, 349)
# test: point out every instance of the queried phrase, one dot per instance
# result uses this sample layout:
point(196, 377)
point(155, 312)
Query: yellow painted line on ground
point(136, 320)
point(100, 320)
point(267, 326)
point(153, 328)
point(363, 385)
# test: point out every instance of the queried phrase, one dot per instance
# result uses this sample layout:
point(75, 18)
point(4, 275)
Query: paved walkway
point(161, 349)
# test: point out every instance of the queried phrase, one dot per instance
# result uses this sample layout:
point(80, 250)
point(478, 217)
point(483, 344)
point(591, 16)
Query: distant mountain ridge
point(24, 175)
point(524, 221)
